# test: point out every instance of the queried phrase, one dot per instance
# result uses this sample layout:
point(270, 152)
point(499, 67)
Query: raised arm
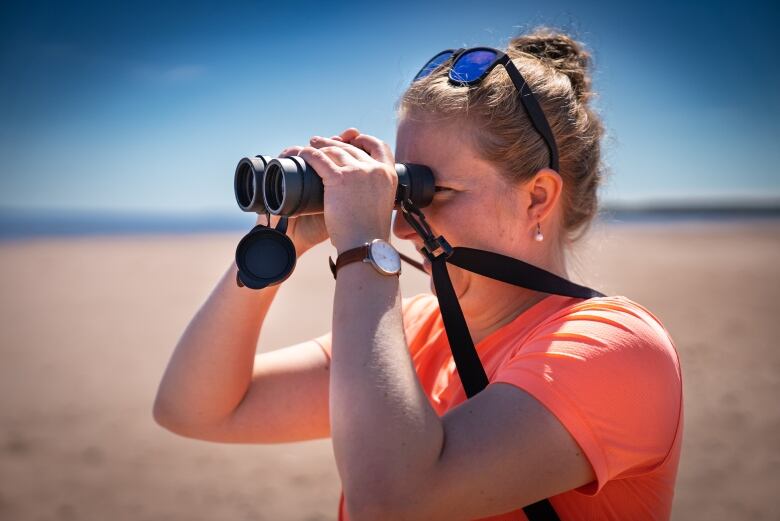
point(215, 387)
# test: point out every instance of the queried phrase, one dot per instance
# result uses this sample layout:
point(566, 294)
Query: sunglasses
point(471, 66)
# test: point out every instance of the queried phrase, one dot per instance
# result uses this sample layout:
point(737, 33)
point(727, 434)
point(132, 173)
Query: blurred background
point(120, 128)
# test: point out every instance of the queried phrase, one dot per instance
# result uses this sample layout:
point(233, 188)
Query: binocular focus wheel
point(264, 257)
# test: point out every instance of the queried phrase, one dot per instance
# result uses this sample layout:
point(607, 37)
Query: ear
point(545, 190)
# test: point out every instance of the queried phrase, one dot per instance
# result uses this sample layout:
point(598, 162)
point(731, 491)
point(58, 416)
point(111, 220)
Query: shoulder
point(612, 340)
point(605, 326)
point(609, 370)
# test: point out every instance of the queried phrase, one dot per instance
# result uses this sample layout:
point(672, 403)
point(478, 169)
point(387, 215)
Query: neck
point(488, 304)
point(488, 315)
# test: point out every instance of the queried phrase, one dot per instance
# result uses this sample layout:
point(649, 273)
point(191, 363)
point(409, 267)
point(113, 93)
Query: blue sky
point(148, 106)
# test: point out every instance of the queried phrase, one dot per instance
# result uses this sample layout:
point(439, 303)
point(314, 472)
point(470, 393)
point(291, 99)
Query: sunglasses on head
point(470, 66)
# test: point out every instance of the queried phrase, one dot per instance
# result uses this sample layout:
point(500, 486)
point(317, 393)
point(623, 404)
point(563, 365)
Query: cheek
point(476, 219)
point(452, 217)
point(468, 220)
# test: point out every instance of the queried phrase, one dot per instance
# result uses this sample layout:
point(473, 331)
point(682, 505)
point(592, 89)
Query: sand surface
point(87, 326)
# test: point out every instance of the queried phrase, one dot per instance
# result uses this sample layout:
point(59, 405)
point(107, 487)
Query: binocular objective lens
point(246, 186)
point(280, 188)
point(274, 187)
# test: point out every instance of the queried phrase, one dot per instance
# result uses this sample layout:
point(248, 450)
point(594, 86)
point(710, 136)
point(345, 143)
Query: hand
point(305, 231)
point(358, 173)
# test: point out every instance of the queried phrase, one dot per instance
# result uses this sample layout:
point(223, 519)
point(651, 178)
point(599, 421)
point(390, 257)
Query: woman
point(584, 405)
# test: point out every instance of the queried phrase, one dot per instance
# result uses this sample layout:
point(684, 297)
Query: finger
point(377, 148)
point(322, 164)
point(339, 155)
point(320, 142)
point(350, 134)
point(290, 151)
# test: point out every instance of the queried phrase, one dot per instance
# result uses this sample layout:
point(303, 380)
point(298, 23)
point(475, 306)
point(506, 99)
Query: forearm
point(384, 430)
point(211, 366)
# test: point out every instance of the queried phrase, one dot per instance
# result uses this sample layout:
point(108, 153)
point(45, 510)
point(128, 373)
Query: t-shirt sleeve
point(324, 343)
point(410, 306)
point(608, 370)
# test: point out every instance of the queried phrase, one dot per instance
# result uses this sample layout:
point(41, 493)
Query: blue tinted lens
point(471, 65)
point(433, 64)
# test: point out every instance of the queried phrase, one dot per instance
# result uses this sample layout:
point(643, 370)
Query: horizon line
point(749, 203)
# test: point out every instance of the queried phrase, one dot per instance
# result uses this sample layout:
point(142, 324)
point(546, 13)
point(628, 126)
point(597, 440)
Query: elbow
point(165, 416)
point(171, 419)
point(162, 415)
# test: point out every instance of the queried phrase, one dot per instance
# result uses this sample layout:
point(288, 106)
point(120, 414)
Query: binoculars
point(288, 186)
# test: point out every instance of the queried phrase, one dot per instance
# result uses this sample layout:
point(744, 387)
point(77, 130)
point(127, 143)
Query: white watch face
point(385, 257)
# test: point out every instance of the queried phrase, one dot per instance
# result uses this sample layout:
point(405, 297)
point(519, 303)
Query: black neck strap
point(498, 267)
point(493, 265)
point(516, 272)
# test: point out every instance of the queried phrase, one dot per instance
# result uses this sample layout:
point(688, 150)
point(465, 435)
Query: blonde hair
point(556, 68)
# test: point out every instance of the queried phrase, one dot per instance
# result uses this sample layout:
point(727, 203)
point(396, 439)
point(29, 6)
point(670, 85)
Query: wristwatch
point(380, 254)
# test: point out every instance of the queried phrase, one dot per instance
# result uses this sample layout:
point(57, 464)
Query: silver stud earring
point(538, 237)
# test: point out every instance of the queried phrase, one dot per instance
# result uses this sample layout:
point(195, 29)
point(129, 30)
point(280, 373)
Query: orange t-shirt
point(605, 367)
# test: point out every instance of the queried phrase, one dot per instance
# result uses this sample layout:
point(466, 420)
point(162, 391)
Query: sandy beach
point(87, 325)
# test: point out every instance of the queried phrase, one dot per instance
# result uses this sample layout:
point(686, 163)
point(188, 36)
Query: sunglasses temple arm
point(535, 112)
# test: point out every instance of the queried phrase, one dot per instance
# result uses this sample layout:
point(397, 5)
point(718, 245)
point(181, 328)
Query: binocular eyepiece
point(288, 186)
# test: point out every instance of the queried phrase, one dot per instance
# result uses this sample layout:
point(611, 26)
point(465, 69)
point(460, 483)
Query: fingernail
point(316, 138)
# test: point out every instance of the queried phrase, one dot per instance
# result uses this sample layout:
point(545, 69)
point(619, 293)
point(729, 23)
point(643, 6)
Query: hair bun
point(559, 51)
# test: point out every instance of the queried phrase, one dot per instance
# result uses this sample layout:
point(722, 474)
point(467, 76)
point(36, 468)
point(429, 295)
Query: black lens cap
point(265, 257)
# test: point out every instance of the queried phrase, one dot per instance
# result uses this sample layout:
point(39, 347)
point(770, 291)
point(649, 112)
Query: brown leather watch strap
point(353, 255)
